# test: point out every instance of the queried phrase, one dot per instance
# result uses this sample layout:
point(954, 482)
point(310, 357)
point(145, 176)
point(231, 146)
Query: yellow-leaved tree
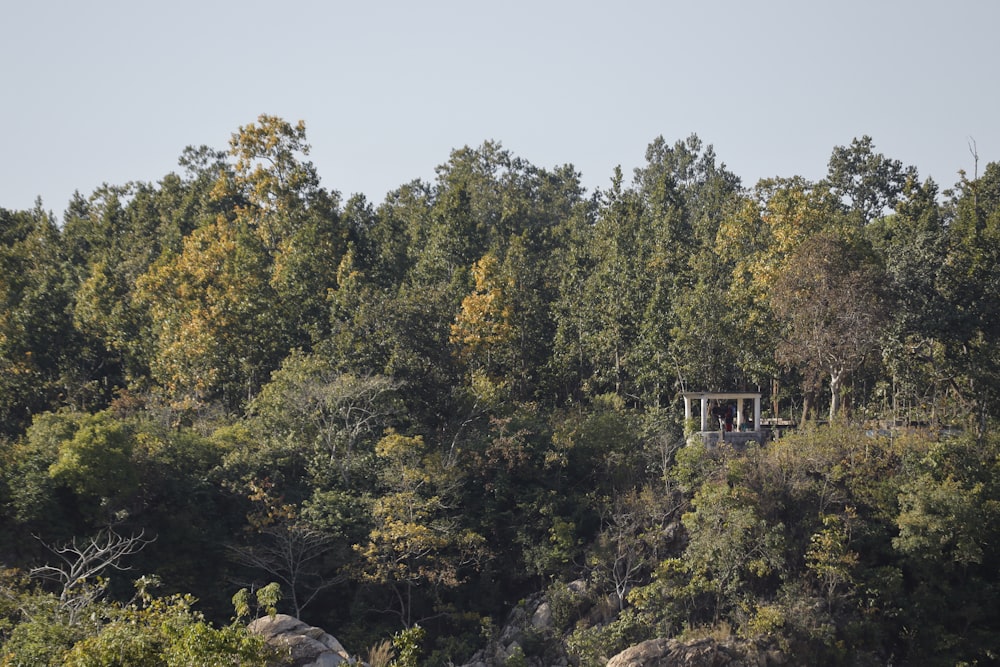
point(482, 329)
point(417, 545)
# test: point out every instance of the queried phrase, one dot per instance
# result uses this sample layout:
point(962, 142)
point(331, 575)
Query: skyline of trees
point(467, 393)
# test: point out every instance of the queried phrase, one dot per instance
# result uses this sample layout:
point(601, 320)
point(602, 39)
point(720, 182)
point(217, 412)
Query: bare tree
point(633, 534)
point(293, 554)
point(82, 562)
point(290, 550)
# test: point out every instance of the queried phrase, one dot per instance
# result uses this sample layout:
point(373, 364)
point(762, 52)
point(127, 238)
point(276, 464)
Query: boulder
point(542, 618)
point(700, 653)
point(646, 654)
point(307, 646)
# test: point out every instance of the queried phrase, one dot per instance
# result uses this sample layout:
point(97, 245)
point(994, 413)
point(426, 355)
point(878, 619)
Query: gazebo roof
point(723, 395)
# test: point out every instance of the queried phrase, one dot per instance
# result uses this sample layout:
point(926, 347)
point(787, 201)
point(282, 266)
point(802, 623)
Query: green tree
point(624, 273)
point(149, 631)
point(38, 345)
point(142, 222)
point(868, 182)
point(600, 302)
point(330, 420)
point(97, 464)
point(970, 334)
point(732, 548)
point(913, 245)
point(946, 535)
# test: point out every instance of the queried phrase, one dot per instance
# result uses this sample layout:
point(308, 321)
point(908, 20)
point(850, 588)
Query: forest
point(233, 392)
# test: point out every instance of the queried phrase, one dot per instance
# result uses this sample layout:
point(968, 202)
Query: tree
point(251, 284)
point(833, 309)
point(82, 563)
point(732, 546)
point(114, 237)
point(614, 310)
point(416, 538)
point(38, 345)
point(913, 245)
point(97, 466)
point(482, 327)
point(709, 342)
point(868, 182)
point(600, 300)
point(272, 182)
point(331, 418)
point(214, 327)
point(630, 544)
point(287, 548)
point(969, 333)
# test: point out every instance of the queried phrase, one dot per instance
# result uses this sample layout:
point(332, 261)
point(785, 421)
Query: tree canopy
point(409, 415)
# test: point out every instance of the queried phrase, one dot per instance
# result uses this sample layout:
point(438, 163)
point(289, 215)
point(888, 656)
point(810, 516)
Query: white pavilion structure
point(698, 405)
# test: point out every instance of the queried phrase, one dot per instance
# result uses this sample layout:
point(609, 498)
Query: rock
point(646, 654)
point(511, 651)
point(542, 618)
point(700, 653)
point(307, 646)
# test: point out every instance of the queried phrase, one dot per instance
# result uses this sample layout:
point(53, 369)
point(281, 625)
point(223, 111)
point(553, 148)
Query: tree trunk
point(836, 378)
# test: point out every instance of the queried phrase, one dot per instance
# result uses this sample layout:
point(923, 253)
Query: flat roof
point(721, 394)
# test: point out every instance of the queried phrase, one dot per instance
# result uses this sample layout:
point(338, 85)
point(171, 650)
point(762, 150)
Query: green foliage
point(732, 548)
point(33, 498)
point(97, 462)
point(40, 634)
point(408, 644)
point(829, 556)
point(266, 597)
point(166, 631)
point(593, 646)
point(325, 420)
point(38, 344)
point(218, 359)
point(147, 631)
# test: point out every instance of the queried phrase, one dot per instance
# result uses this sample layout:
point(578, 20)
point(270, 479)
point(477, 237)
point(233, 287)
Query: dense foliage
point(421, 411)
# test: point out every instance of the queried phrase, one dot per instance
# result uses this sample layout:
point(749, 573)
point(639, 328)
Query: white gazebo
point(742, 428)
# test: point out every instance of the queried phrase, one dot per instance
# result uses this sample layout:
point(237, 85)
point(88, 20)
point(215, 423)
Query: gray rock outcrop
point(699, 653)
point(307, 646)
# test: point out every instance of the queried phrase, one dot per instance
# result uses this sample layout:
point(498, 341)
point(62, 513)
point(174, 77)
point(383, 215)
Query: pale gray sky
point(112, 91)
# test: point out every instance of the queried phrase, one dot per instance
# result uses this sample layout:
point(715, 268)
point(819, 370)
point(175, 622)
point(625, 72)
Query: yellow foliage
point(484, 320)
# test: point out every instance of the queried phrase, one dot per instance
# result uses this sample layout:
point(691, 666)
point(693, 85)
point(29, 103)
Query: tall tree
point(971, 286)
point(868, 182)
point(830, 299)
point(251, 284)
point(416, 538)
point(913, 246)
point(38, 345)
point(216, 331)
point(329, 419)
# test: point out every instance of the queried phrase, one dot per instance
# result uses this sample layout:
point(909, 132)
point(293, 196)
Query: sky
point(113, 91)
